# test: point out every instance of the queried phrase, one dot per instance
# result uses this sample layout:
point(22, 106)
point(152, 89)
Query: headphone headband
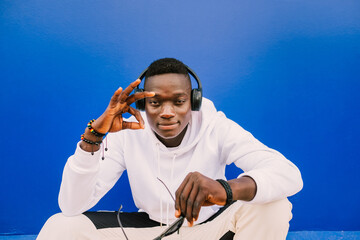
point(192, 73)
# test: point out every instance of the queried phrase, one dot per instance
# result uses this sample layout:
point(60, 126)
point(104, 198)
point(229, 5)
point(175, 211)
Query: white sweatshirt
point(211, 142)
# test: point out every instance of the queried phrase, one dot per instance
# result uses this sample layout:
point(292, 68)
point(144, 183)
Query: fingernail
point(177, 213)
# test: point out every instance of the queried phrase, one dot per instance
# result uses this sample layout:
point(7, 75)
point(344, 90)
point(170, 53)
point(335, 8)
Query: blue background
point(288, 71)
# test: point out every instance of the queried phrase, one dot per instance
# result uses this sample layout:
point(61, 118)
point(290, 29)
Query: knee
point(274, 214)
point(59, 220)
point(263, 221)
point(58, 226)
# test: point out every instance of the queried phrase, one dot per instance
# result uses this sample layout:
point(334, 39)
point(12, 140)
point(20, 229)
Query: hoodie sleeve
point(87, 178)
point(275, 176)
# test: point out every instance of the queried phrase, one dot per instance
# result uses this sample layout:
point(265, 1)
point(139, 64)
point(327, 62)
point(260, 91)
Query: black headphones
point(196, 93)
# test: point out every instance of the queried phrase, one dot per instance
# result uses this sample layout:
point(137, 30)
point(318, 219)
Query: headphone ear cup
point(140, 104)
point(196, 99)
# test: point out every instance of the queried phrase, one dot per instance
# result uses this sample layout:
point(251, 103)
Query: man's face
point(169, 111)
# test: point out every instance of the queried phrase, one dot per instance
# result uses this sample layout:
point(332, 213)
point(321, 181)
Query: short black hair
point(166, 65)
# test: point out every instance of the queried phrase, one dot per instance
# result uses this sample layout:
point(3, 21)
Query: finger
point(118, 91)
point(199, 201)
point(116, 95)
point(125, 94)
point(137, 115)
point(190, 203)
point(140, 95)
point(131, 125)
point(177, 196)
point(184, 198)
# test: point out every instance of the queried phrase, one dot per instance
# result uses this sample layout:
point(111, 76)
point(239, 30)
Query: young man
point(171, 146)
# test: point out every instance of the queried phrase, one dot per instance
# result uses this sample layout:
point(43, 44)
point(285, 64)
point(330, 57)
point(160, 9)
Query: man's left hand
point(195, 191)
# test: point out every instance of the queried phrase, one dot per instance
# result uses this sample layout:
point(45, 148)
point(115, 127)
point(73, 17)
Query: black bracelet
point(226, 186)
point(90, 142)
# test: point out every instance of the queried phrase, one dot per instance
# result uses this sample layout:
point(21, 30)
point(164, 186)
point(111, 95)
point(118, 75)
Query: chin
point(168, 135)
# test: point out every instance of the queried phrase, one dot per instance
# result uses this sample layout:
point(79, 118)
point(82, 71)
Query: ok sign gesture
point(111, 120)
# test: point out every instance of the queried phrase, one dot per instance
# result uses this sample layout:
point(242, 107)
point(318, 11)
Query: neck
point(173, 142)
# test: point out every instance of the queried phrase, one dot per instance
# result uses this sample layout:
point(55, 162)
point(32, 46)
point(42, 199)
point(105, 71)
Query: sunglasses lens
point(176, 226)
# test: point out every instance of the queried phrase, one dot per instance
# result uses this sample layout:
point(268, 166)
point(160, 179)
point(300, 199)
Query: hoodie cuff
point(83, 161)
point(261, 193)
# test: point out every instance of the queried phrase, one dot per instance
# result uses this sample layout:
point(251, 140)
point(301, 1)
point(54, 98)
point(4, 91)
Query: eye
point(153, 102)
point(180, 101)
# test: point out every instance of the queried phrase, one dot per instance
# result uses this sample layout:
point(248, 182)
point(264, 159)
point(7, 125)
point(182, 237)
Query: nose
point(167, 111)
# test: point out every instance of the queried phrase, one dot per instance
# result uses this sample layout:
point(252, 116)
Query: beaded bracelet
point(226, 186)
point(90, 142)
point(92, 130)
point(97, 134)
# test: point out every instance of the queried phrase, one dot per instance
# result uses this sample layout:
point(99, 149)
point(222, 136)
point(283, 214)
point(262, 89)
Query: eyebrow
point(175, 95)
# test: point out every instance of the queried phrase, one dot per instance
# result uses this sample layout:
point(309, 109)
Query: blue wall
point(287, 71)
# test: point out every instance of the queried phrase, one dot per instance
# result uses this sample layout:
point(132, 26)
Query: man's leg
point(239, 221)
point(245, 221)
point(100, 226)
point(268, 221)
point(136, 225)
point(60, 227)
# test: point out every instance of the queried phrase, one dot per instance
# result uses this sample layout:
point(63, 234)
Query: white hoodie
point(211, 142)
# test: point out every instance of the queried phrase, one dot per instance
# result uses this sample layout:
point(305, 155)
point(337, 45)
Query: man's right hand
point(111, 120)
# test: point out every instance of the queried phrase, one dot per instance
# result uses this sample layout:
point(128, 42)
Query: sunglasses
point(174, 227)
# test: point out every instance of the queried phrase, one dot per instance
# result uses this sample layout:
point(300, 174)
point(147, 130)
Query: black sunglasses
point(174, 227)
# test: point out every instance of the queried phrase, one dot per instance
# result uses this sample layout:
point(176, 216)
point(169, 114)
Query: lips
point(168, 126)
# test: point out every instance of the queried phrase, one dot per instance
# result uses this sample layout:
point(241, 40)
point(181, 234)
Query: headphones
point(196, 93)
